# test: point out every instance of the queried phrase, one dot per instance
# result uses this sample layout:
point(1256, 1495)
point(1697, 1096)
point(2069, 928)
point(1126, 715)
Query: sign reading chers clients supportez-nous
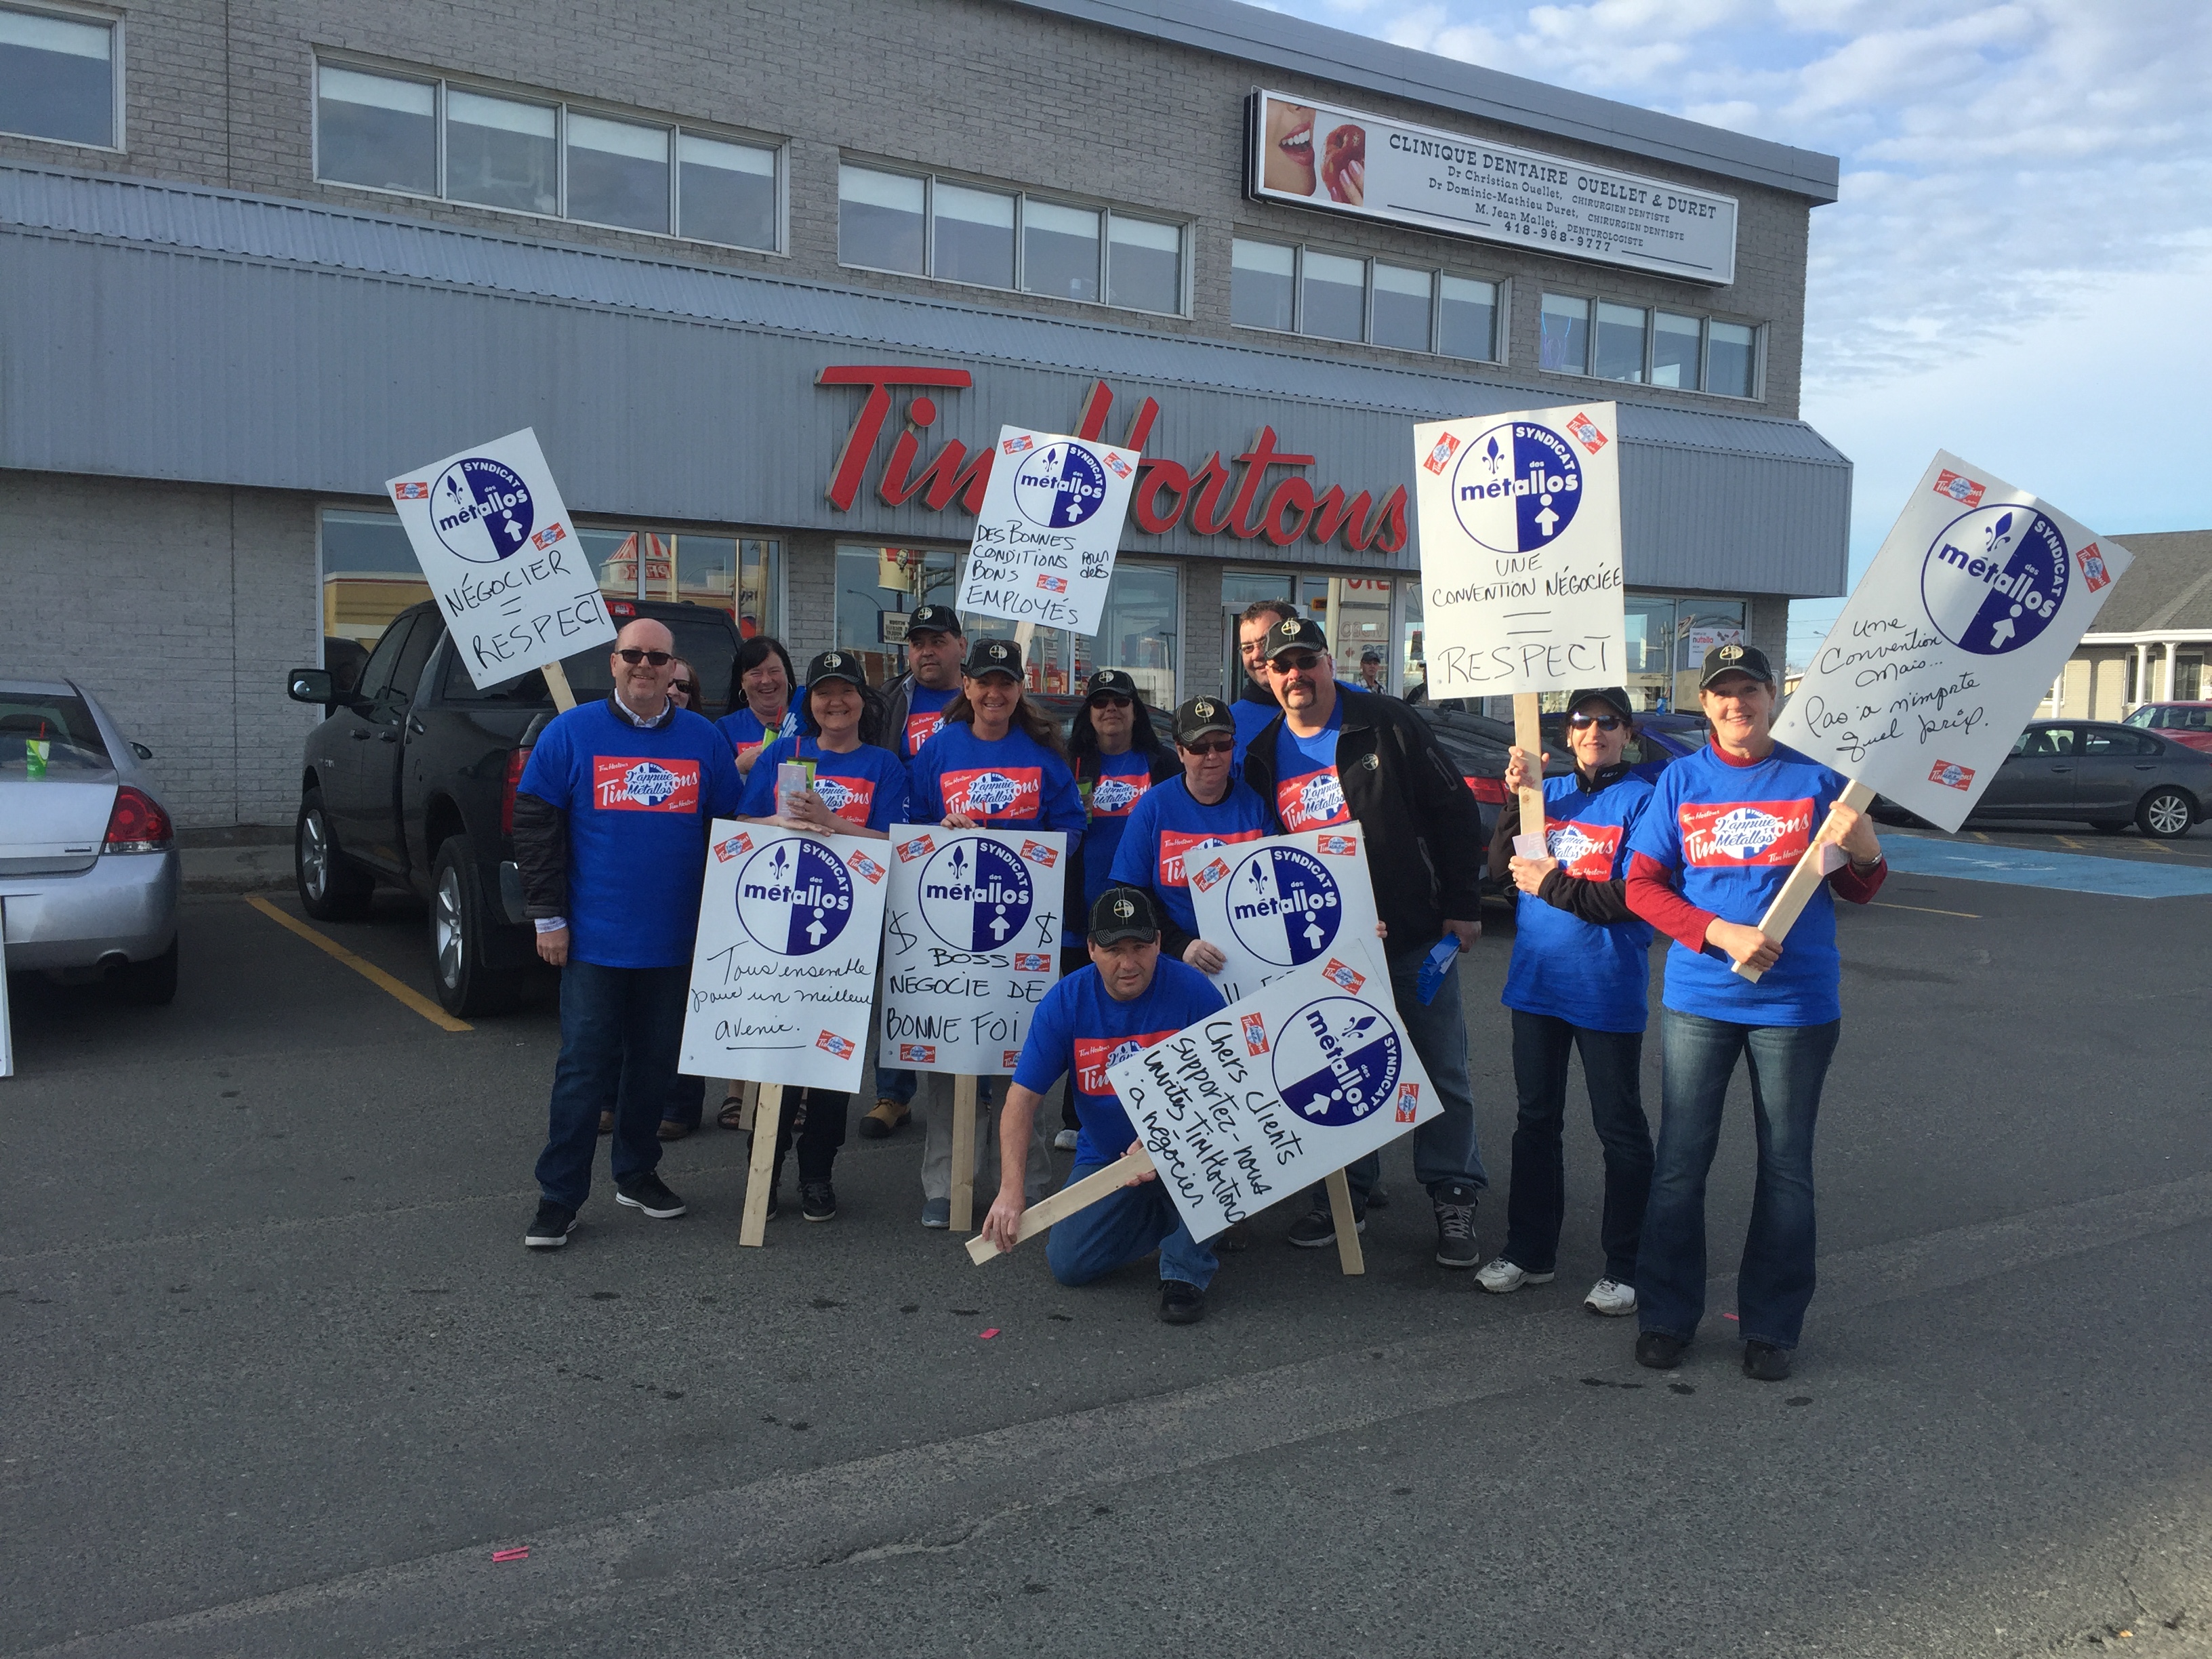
point(784, 974)
point(1520, 537)
point(1272, 906)
point(971, 944)
point(498, 549)
point(1044, 542)
point(1268, 1095)
point(1979, 596)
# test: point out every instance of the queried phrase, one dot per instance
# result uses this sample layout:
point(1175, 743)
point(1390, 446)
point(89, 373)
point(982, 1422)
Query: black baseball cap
point(1297, 634)
point(1736, 659)
point(837, 665)
point(1613, 697)
point(1371, 654)
point(993, 656)
point(934, 619)
point(1200, 715)
point(1113, 680)
point(1124, 913)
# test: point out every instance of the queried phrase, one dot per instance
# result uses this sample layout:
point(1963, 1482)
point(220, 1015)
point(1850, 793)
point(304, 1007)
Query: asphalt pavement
point(282, 1380)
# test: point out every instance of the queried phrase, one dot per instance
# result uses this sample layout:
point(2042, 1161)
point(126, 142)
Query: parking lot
point(284, 1379)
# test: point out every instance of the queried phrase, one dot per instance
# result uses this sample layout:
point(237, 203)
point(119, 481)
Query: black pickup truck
point(410, 780)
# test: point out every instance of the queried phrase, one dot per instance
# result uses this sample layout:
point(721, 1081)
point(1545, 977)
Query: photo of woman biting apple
point(1344, 165)
point(1287, 161)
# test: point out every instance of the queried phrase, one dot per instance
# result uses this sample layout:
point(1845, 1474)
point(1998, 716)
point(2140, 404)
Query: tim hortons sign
point(1236, 496)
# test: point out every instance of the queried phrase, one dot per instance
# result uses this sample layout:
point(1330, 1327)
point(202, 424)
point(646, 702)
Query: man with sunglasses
point(1176, 821)
point(610, 822)
point(1335, 756)
point(1579, 981)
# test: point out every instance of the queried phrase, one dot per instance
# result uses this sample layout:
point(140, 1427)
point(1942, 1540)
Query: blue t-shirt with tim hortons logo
point(865, 787)
point(1730, 835)
point(744, 731)
point(925, 718)
point(1013, 782)
point(1588, 974)
point(1168, 834)
point(638, 801)
point(1123, 782)
point(1308, 794)
point(1080, 1027)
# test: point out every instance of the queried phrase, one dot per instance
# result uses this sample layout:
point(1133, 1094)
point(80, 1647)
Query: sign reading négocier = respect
point(1044, 543)
point(1519, 520)
point(1969, 611)
point(1251, 1104)
point(498, 549)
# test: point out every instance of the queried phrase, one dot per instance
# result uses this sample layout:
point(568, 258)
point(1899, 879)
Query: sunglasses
point(633, 656)
point(1295, 662)
point(684, 686)
point(1603, 722)
point(1220, 748)
point(1110, 700)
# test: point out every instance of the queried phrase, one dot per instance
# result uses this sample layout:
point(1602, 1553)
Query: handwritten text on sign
point(783, 976)
point(1520, 539)
point(1979, 596)
point(1272, 906)
point(1255, 1103)
point(1052, 518)
point(971, 944)
point(497, 547)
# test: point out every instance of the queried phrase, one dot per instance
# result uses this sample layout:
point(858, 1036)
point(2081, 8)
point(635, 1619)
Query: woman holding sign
point(1724, 828)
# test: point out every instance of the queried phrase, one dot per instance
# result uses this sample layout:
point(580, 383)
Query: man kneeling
point(1127, 1000)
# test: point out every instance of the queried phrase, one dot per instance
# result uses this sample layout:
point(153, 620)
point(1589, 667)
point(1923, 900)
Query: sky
point(2019, 265)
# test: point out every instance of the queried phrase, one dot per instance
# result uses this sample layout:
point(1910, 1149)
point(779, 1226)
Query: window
point(57, 78)
point(370, 575)
point(63, 724)
point(1467, 318)
point(1335, 296)
point(1662, 348)
point(382, 132)
point(1732, 359)
point(1564, 322)
point(1059, 251)
point(974, 235)
point(1667, 639)
point(1619, 343)
point(1262, 285)
point(879, 219)
point(1403, 302)
point(1674, 353)
point(1143, 264)
point(1302, 290)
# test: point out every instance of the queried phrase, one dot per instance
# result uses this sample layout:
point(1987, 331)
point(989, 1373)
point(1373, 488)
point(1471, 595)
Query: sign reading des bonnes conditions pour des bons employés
point(1251, 1104)
point(1272, 906)
point(498, 549)
point(1052, 518)
point(783, 976)
point(1979, 596)
point(1520, 537)
point(971, 943)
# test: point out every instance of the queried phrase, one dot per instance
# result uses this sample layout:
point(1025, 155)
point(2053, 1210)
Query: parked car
point(2098, 772)
point(88, 867)
point(1478, 745)
point(1660, 739)
point(410, 781)
point(2189, 723)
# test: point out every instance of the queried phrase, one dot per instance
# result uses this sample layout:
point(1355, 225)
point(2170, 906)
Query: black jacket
point(1603, 902)
point(1424, 836)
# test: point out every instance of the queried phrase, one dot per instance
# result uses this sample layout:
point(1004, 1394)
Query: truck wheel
point(460, 928)
point(151, 983)
point(332, 887)
point(2165, 813)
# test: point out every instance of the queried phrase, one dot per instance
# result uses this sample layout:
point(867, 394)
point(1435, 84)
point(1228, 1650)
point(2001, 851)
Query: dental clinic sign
point(1969, 611)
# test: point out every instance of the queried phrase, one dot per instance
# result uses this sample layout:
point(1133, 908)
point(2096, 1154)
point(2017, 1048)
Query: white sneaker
point(1064, 1140)
point(1501, 1276)
point(1611, 1298)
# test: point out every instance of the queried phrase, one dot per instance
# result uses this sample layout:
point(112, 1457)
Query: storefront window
point(369, 577)
point(1650, 642)
point(1700, 625)
point(879, 219)
point(1059, 251)
point(878, 588)
point(1413, 654)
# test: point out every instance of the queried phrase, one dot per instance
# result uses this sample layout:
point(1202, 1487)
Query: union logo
point(1114, 796)
point(1760, 832)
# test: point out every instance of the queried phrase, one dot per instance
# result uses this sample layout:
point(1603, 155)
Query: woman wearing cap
point(761, 688)
point(1179, 820)
point(1579, 979)
point(1117, 757)
point(1723, 830)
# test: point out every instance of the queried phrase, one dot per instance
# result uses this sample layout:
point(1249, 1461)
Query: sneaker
point(818, 1201)
point(550, 1227)
point(1765, 1363)
point(937, 1213)
point(885, 1116)
point(1454, 1206)
point(1316, 1229)
point(671, 1130)
point(1064, 1141)
point(1378, 1197)
point(1661, 1351)
point(1501, 1277)
point(648, 1193)
point(1182, 1303)
point(1611, 1297)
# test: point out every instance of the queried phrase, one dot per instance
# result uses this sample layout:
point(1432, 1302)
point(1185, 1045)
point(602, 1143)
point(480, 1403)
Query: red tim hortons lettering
point(1736, 834)
point(1094, 1055)
point(641, 783)
point(1177, 846)
point(1584, 850)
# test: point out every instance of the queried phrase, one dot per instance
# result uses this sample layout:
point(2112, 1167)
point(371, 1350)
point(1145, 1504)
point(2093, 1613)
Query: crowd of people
point(612, 880)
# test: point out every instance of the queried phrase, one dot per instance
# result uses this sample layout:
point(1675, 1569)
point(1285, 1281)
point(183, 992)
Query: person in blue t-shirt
point(763, 691)
point(1126, 1001)
point(610, 821)
point(1724, 828)
point(1177, 821)
point(1579, 979)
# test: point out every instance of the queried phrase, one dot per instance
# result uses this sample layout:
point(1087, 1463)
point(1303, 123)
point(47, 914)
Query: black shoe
point(1182, 1303)
point(818, 1201)
point(1316, 1229)
point(650, 1193)
point(1765, 1363)
point(1455, 1208)
point(550, 1227)
point(1378, 1197)
point(1661, 1351)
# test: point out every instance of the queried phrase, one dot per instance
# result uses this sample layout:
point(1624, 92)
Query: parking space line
point(2069, 841)
point(376, 975)
point(1924, 910)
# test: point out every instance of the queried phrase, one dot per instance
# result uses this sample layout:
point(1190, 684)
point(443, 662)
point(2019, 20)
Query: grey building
point(767, 279)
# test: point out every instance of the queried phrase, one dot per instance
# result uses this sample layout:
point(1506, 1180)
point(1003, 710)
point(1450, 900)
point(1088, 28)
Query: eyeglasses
point(1603, 722)
point(1110, 699)
point(684, 686)
point(1295, 662)
point(633, 656)
point(1221, 748)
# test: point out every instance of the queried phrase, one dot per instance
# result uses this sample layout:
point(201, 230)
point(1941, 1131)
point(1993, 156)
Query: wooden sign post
point(1349, 1256)
point(760, 1179)
point(963, 1154)
point(1528, 737)
point(1098, 1184)
point(556, 682)
point(1812, 870)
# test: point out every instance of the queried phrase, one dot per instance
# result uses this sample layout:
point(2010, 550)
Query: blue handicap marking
point(2076, 872)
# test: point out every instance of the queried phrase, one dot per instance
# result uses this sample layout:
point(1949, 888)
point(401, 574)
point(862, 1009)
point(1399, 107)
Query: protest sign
point(1977, 598)
point(499, 552)
point(1279, 1089)
point(971, 944)
point(1272, 906)
point(783, 976)
point(1044, 543)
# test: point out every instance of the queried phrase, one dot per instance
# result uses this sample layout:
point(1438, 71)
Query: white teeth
point(1299, 140)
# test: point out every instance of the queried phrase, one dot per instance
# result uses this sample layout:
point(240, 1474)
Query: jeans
point(1444, 1150)
point(894, 1086)
point(1126, 1226)
point(1788, 1064)
point(620, 1031)
point(687, 1101)
point(1538, 1201)
point(818, 1138)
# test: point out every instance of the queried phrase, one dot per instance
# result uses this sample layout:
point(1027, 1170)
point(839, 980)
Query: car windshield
point(44, 736)
point(2141, 717)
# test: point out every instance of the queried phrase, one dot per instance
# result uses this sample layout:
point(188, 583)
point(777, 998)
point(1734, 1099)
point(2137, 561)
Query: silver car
point(88, 867)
